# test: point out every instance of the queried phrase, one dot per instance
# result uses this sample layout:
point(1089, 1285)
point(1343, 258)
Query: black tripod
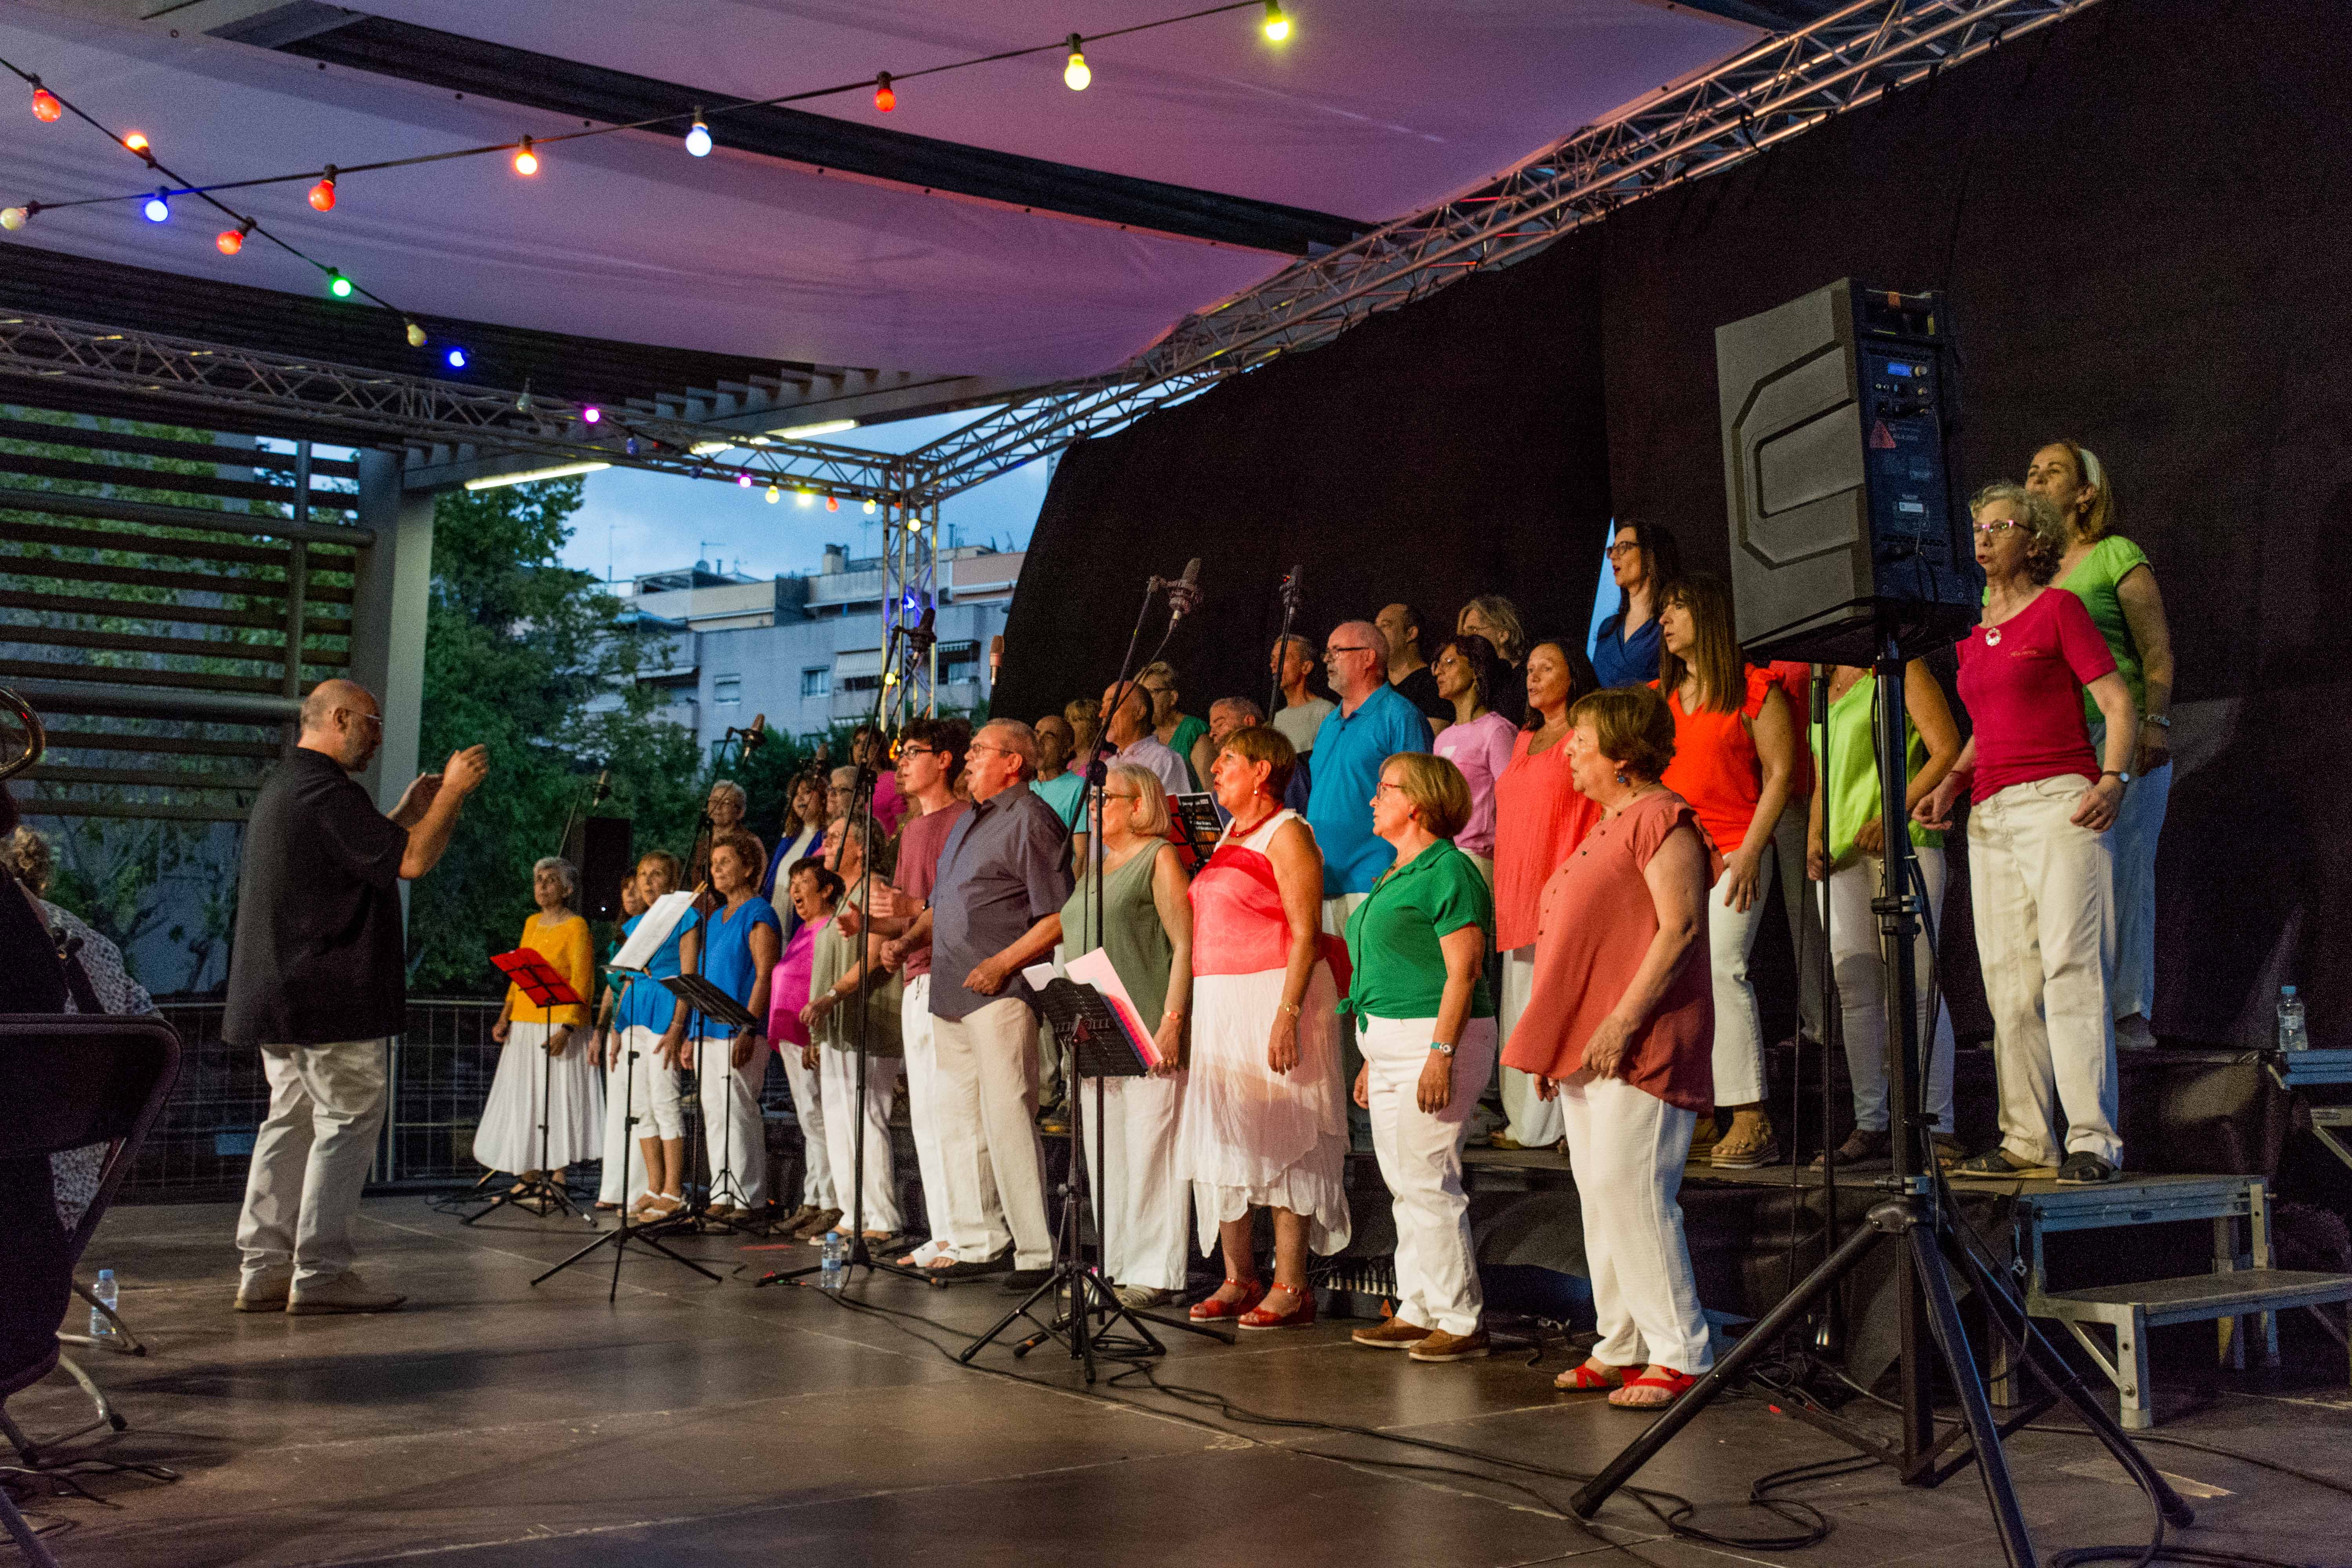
point(537, 1188)
point(1918, 1218)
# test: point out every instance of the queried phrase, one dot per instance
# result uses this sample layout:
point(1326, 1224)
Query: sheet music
point(653, 930)
point(1039, 975)
point(1095, 969)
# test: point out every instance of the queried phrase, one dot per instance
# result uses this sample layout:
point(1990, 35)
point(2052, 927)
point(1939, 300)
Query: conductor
point(317, 982)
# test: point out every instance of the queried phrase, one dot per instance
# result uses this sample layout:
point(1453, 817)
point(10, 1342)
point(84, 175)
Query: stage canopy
point(996, 227)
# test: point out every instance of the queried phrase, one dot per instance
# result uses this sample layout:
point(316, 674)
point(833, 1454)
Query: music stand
point(547, 989)
point(1196, 818)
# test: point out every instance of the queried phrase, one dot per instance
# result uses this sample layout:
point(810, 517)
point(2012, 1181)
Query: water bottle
point(2292, 1035)
point(101, 1327)
point(835, 1273)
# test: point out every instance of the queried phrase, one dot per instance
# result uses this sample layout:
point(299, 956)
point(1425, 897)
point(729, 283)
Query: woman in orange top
point(1540, 818)
point(1735, 757)
point(508, 1137)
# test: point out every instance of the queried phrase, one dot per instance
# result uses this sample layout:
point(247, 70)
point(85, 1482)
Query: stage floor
point(691, 1423)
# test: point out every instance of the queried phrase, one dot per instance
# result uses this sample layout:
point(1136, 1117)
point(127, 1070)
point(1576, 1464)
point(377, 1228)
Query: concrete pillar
point(388, 610)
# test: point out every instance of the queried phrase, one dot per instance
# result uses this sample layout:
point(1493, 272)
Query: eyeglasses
point(374, 719)
point(1614, 551)
point(975, 748)
point(1115, 795)
point(1331, 653)
point(1384, 786)
point(1997, 527)
point(912, 750)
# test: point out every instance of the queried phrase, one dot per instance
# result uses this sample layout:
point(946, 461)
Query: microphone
point(1290, 587)
point(603, 787)
point(921, 640)
point(1184, 594)
point(757, 735)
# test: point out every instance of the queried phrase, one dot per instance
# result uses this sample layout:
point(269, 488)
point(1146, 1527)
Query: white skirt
point(1249, 1138)
point(508, 1138)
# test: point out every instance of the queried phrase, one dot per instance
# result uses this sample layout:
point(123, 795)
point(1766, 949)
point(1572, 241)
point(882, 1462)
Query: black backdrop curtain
point(2140, 218)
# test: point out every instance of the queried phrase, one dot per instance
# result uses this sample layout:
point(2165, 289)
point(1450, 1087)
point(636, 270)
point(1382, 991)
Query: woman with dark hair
point(2040, 873)
point(1539, 819)
point(1620, 1030)
point(1734, 758)
point(813, 892)
point(2113, 578)
point(1478, 742)
point(797, 837)
point(1643, 558)
point(1495, 618)
point(734, 947)
point(1263, 1125)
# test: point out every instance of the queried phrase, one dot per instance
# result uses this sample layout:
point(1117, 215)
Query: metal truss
point(52, 351)
point(1777, 90)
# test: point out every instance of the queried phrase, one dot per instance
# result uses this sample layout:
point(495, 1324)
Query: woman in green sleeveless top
point(1846, 845)
point(1146, 929)
point(2113, 578)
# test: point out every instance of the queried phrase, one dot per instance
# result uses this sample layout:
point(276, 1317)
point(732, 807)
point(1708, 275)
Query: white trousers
point(625, 1116)
point(2045, 919)
point(1627, 1150)
point(960, 1201)
point(1421, 1161)
point(734, 1135)
point(1145, 1206)
point(1738, 1026)
point(818, 1188)
point(311, 1155)
point(2140, 821)
point(988, 1103)
point(837, 1072)
point(1531, 1123)
point(654, 1097)
point(1862, 994)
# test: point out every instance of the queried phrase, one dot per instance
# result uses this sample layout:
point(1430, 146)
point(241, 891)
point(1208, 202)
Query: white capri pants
point(837, 1073)
point(1145, 1206)
point(1738, 1026)
point(653, 1095)
point(2046, 918)
point(817, 1185)
point(734, 1134)
point(1861, 988)
point(1627, 1150)
point(2140, 822)
point(1532, 1123)
point(623, 1178)
point(1421, 1161)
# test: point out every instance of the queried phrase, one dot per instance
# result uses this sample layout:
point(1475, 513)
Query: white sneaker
point(345, 1293)
point(265, 1291)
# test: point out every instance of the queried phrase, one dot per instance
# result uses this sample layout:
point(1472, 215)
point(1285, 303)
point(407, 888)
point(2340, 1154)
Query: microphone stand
point(1290, 596)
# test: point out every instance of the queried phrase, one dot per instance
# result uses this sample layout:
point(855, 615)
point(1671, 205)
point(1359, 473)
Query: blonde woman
point(636, 1014)
point(508, 1137)
point(1495, 618)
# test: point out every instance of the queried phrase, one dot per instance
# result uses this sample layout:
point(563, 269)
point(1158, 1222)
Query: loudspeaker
point(1839, 409)
point(604, 861)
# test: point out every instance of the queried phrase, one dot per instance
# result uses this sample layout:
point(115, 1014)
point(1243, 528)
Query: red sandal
point(1583, 1379)
point(1675, 1384)
point(1209, 1310)
point(1301, 1314)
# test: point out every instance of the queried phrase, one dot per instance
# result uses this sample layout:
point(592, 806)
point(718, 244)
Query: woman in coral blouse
point(1538, 820)
point(508, 1138)
point(1620, 1028)
point(1735, 757)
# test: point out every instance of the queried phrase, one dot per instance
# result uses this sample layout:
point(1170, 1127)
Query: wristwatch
point(1441, 1047)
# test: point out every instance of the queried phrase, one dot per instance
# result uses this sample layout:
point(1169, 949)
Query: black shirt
point(318, 954)
point(1419, 689)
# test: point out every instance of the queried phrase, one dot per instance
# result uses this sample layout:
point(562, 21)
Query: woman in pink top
point(1479, 742)
point(2041, 872)
point(1540, 818)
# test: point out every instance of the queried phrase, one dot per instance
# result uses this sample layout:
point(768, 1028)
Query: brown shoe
point(1393, 1335)
point(816, 1224)
point(1749, 1143)
point(1442, 1346)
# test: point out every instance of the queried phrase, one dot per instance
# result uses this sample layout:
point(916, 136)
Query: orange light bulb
point(136, 141)
point(526, 162)
point(45, 107)
point(885, 98)
point(322, 194)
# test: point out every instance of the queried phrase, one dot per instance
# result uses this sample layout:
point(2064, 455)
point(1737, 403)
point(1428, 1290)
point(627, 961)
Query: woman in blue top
point(745, 938)
point(639, 1086)
point(1643, 559)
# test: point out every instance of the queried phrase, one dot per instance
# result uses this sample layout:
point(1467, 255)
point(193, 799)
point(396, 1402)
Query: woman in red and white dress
point(1264, 1125)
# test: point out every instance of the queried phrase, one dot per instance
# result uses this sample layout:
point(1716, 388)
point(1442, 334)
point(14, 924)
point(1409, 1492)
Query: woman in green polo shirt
point(1847, 844)
point(1417, 947)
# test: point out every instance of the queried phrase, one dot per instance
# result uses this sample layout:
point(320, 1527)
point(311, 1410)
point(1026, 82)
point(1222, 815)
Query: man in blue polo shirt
point(1371, 724)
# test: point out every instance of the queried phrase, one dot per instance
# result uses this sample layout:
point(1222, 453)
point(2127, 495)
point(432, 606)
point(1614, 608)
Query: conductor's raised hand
point(466, 770)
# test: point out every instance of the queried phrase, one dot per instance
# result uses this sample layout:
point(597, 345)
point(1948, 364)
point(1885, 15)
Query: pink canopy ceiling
point(1372, 111)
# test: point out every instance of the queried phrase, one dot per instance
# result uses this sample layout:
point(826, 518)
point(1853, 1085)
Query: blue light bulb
point(456, 358)
point(157, 209)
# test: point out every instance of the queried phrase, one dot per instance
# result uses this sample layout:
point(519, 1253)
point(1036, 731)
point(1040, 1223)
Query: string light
point(698, 137)
point(337, 284)
point(883, 98)
point(14, 218)
point(1277, 26)
point(1076, 73)
point(526, 162)
point(591, 414)
point(47, 106)
point(322, 194)
point(775, 494)
point(869, 506)
point(833, 503)
point(229, 241)
point(157, 209)
point(455, 357)
point(137, 142)
point(415, 335)
point(805, 497)
point(743, 481)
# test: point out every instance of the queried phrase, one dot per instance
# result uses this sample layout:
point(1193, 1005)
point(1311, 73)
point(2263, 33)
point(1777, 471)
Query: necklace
point(1235, 829)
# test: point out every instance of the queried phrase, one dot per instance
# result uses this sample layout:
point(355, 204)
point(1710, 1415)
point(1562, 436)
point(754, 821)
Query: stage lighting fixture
point(1076, 73)
point(591, 414)
point(526, 162)
point(808, 432)
point(885, 98)
point(560, 472)
point(47, 108)
point(1277, 26)
point(322, 194)
point(229, 241)
point(137, 142)
point(456, 356)
point(13, 218)
point(415, 336)
point(775, 494)
point(157, 209)
point(338, 285)
point(698, 137)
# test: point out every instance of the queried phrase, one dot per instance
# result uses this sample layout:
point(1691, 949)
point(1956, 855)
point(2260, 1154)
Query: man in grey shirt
point(1003, 876)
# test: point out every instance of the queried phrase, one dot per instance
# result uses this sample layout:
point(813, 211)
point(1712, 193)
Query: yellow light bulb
point(1277, 26)
point(1076, 73)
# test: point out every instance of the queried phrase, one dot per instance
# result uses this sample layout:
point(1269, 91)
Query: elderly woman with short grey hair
point(540, 1075)
point(2041, 867)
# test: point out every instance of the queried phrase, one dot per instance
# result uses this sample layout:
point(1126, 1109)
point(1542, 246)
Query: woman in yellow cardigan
point(509, 1136)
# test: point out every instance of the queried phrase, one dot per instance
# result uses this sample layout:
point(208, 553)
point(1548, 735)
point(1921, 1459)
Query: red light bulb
point(885, 98)
point(229, 241)
point(322, 194)
point(45, 107)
